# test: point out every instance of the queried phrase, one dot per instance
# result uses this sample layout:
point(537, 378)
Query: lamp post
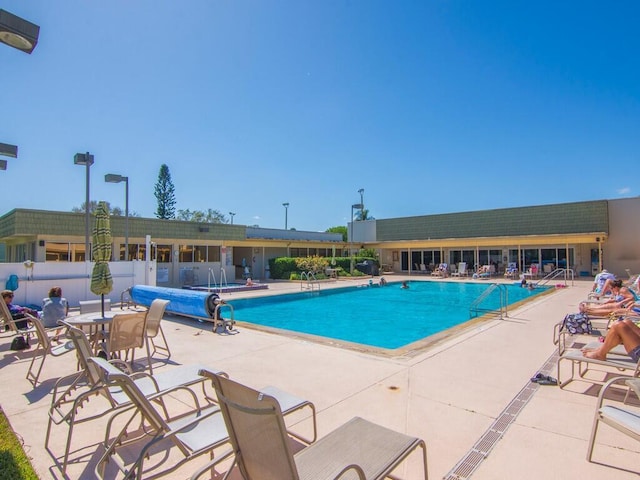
point(17, 32)
point(232, 214)
point(357, 206)
point(286, 211)
point(113, 178)
point(361, 192)
point(87, 160)
point(21, 35)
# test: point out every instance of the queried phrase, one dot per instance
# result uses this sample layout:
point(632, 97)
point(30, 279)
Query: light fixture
point(17, 32)
point(231, 214)
point(85, 159)
point(113, 178)
point(7, 150)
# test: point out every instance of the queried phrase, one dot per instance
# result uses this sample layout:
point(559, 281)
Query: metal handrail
point(504, 301)
point(311, 280)
point(558, 272)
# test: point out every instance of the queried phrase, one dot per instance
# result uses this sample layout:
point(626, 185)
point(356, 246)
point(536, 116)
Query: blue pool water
point(384, 317)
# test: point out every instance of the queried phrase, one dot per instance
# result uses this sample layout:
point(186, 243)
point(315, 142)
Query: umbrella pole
point(102, 298)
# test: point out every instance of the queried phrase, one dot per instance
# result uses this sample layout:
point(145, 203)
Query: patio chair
point(511, 271)
point(44, 348)
point(126, 333)
point(9, 322)
point(623, 419)
point(617, 359)
point(560, 334)
point(358, 449)
point(72, 392)
point(198, 432)
point(154, 317)
point(462, 270)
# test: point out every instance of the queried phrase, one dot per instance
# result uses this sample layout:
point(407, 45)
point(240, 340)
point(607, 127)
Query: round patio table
point(93, 320)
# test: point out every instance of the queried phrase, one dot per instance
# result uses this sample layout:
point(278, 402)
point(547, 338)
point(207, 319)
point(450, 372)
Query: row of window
point(543, 256)
point(75, 252)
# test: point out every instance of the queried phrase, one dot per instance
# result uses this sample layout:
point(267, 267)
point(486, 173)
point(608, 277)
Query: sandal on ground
point(542, 379)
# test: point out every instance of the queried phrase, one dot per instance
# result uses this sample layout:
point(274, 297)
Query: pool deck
point(450, 394)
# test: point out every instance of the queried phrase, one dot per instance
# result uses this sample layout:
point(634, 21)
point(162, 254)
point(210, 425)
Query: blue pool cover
point(190, 303)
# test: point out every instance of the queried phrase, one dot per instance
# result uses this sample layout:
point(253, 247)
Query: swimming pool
point(388, 317)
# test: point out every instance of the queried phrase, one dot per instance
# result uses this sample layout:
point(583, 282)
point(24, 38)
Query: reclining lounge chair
point(358, 449)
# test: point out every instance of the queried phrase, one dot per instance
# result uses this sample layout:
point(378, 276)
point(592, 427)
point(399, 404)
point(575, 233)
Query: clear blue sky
point(430, 106)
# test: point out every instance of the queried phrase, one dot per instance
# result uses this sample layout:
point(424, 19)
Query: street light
point(113, 178)
point(231, 214)
point(357, 206)
point(17, 32)
point(286, 211)
point(361, 192)
point(87, 160)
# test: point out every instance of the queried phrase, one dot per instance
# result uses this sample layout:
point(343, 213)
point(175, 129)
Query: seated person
point(249, 282)
point(622, 298)
point(17, 312)
point(54, 308)
point(623, 332)
point(599, 282)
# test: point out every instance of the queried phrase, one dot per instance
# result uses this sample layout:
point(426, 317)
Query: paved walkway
point(451, 395)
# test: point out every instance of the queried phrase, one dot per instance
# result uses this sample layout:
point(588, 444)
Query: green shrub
point(288, 268)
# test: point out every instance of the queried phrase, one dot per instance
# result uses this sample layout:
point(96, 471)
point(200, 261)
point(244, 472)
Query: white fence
point(35, 279)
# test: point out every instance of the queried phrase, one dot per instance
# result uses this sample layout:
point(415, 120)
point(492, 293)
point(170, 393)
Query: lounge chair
point(44, 347)
point(154, 328)
point(10, 323)
point(617, 358)
point(200, 431)
point(560, 334)
point(441, 271)
point(462, 270)
point(625, 420)
point(70, 393)
point(358, 449)
point(511, 271)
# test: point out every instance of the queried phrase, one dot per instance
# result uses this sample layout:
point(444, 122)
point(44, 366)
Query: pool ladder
point(475, 310)
point(308, 281)
point(223, 280)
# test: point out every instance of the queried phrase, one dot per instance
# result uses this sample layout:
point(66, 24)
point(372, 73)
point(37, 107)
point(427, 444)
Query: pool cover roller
point(190, 303)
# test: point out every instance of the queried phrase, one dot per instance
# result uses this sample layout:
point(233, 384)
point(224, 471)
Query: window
point(200, 253)
point(57, 252)
point(213, 254)
point(185, 253)
point(164, 253)
point(64, 252)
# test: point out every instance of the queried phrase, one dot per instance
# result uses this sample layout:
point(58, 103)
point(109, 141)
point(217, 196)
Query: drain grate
point(474, 457)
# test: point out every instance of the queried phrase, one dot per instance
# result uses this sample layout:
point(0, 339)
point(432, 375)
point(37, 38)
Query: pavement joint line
point(465, 468)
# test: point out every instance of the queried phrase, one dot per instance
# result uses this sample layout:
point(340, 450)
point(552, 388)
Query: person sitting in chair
point(623, 332)
point(54, 308)
point(17, 312)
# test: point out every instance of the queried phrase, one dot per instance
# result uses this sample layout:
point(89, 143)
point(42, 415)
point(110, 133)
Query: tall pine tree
point(165, 194)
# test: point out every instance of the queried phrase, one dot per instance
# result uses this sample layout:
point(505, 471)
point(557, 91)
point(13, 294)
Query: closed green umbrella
point(101, 280)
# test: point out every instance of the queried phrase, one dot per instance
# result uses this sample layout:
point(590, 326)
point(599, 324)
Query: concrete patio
point(449, 394)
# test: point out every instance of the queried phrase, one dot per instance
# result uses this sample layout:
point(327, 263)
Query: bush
point(287, 268)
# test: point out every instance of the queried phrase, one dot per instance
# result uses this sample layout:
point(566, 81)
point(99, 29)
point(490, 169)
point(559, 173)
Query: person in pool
point(404, 285)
